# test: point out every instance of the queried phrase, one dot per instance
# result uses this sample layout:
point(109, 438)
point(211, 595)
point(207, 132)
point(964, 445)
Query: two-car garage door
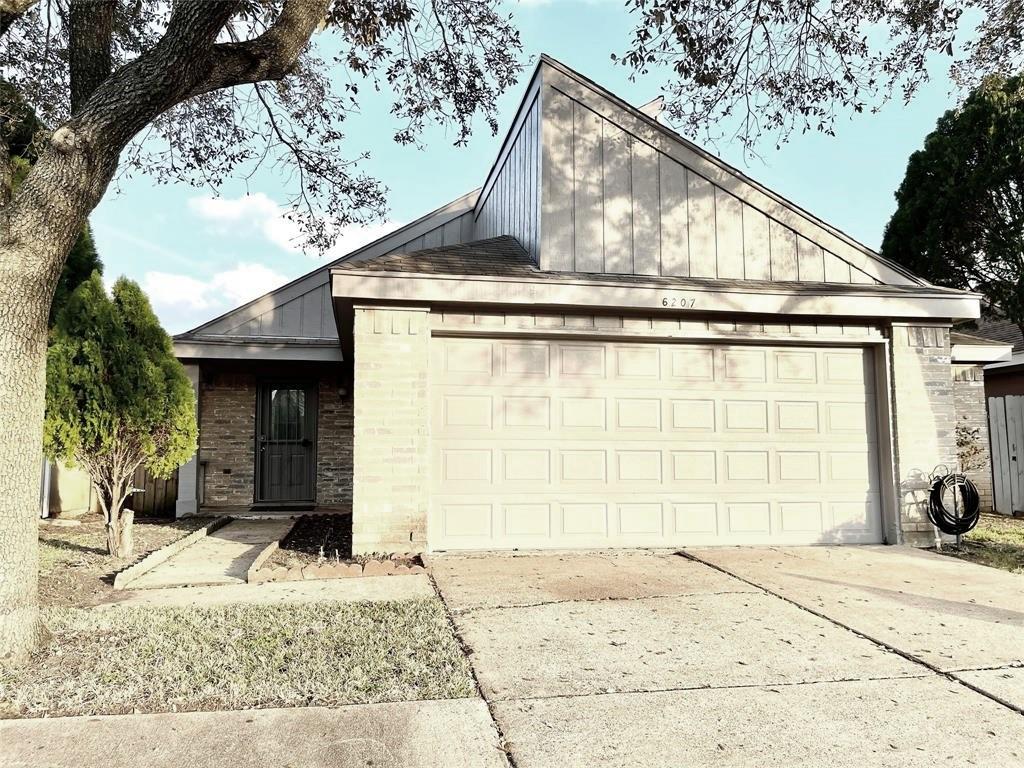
point(576, 443)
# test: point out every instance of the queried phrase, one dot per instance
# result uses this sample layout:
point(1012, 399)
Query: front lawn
point(997, 541)
point(122, 660)
point(74, 567)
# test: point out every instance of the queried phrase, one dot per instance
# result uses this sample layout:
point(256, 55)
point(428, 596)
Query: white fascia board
point(1016, 358)
point(981, 353)
point(590, 294)
point(192, 349)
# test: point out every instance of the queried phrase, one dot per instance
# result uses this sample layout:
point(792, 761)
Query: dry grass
point(997, 541)
point(234, 657)
point(74, 567)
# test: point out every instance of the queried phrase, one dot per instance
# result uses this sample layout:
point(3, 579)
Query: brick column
point(391, 461)
point(924, 420)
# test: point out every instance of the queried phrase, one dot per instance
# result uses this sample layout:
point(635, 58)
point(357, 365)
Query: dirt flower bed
point(315, 539)
point(74, 567)
point(123, 660)
point(997, 541)
point(320, 547)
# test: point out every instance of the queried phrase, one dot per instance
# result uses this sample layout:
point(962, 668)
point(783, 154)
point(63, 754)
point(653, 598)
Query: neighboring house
point(619, 340)
point(1004, 394)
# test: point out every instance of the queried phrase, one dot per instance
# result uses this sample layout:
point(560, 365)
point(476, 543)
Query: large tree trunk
point(39, 225)
point(24, 305)
point(37, 229)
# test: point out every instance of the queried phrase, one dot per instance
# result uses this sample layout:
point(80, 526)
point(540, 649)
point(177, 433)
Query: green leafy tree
point(960, 215)
point(116, 397)
point(82, 261)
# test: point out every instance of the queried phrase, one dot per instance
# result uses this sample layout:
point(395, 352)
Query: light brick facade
point(923, 421)
point(391, 430)
point(971, 411)
point(227, 431)
point(373, 444)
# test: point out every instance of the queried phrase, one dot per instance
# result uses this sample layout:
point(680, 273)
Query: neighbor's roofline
point(325, 268)
point(635, 112)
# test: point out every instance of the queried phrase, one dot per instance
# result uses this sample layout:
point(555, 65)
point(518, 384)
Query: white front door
point(571, 444)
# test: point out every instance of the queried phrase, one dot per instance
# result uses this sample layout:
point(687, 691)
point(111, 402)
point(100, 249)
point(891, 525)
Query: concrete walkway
point(223, 557)
point(963, 619)
point(654, 660)
point(424, 734)
point(364, 588)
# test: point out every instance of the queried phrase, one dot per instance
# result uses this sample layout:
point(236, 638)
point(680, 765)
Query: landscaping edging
point(257, 575)
point(123, 578)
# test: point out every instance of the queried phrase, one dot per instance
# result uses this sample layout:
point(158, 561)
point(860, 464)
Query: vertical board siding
point(613, 203)
point(810, 260)
point(783, 251)
point(757, 253)
point(701, 226)
point(558, 180)
point(836, 270)
point(588, 198)
point(511, 205)
point(675, 239)
point(646, 213)
point(618, 200)
point(729, 234)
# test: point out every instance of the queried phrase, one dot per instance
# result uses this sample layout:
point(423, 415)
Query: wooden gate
point(157, 497)
point(1006, 434)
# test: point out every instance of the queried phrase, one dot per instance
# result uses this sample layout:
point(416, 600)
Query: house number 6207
point(678, 301)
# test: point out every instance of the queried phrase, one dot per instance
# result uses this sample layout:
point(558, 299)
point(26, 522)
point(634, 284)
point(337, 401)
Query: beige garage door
point(562, 444)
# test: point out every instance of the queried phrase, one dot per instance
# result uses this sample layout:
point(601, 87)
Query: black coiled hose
point(952, 515)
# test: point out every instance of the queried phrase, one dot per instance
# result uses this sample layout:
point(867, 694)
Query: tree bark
point(39, 226)
point(24, 307)
point(90, 34)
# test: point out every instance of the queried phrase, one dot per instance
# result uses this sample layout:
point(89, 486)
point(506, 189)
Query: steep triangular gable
point(623, 194)
point(302, 309)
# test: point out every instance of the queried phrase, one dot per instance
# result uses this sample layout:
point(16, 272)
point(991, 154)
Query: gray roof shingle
point(504, 257)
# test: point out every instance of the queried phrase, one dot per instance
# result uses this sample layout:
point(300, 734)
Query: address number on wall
point(683, 302)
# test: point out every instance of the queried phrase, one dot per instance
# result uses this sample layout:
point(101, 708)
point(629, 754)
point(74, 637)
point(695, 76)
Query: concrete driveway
point(655, 659)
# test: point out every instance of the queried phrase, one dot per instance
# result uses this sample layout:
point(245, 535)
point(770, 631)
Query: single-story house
point(617, 341)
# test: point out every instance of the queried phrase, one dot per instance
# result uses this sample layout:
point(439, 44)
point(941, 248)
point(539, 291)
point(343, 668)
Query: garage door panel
point(589, 444)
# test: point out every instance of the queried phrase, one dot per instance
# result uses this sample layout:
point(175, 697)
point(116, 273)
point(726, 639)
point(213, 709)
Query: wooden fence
point(157, 498)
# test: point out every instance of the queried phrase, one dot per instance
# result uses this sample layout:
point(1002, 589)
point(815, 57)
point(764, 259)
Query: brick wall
point(923, 412)
point(391, 430)
point(334, 444)
point(969, 398)
point(227, 429)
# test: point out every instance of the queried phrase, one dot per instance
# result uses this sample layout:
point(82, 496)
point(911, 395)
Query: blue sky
point(198, 255)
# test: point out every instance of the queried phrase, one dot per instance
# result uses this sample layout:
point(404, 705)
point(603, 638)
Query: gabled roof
point(732, 187)
point(680, 198)
point(302, 308)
